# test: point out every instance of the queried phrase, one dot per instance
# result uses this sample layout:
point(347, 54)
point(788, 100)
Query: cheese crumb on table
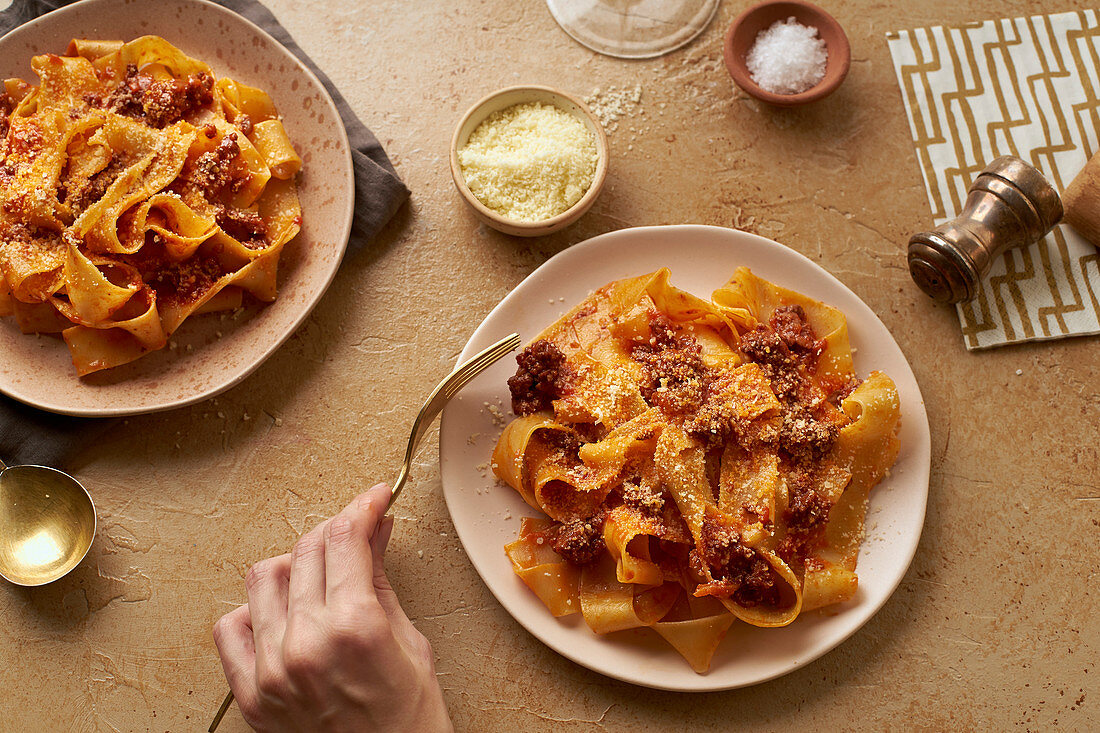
point(787, 58)
point(612, 103)
point(529, 162)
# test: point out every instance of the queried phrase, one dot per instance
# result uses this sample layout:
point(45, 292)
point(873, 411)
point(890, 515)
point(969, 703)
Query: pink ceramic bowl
point(503, 99)
point(211, 354)
point(742, 35)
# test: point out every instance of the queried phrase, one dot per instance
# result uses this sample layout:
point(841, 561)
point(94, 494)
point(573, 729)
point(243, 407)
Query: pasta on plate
point(697, 462)
point(137, 189)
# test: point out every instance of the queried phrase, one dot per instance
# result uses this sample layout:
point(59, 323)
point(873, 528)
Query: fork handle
point(399, 484)
point(221, 713)
point(505, 345)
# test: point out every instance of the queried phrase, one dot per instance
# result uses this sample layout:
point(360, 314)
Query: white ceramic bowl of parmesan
point(555, 177)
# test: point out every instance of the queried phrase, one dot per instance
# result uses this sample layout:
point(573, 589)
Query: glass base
point(633, 29)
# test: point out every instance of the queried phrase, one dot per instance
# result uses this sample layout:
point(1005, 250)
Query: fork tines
point(459, 378)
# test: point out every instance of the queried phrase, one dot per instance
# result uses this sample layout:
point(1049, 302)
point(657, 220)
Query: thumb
point(387, 598)
point(378, 544)
point(382, 588)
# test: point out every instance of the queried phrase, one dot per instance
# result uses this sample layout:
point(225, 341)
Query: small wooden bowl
point(503, 99)
point(742, 35)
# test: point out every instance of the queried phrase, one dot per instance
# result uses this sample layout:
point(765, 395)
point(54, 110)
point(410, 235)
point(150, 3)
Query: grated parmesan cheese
point(529, 162)
point(612, 103)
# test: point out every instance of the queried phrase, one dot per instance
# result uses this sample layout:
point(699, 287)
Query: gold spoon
point(47, 523)
point(439, 397)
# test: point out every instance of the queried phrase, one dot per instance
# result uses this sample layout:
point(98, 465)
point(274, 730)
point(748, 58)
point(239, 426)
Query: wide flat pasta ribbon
point(147, 51)
point(746, 504)
point(548, 576)
point(748, 300)
point(34, 270)
point(236, 99)
point(127, 210)
point(627, 532)
point(510, 460)
point(609, 605)
point(695, 627)
point(91, 296)
point(158, 157)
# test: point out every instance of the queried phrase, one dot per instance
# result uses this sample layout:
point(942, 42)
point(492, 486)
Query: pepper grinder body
point(1010, 204)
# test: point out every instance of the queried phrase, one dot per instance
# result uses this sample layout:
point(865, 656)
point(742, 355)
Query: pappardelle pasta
point(698, 462)
point(136, 190)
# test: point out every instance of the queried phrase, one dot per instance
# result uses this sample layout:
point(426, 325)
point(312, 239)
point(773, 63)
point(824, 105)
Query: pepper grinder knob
point(1010, 204)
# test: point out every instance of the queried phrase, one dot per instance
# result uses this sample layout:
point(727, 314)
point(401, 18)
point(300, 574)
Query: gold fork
point(439, 397)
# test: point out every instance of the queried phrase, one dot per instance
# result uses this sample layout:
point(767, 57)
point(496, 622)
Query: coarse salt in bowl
point(503, 100)
point(787, 58)
point(770, 57)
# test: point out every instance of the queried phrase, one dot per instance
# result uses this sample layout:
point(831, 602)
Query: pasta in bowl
point(699, 462)
point(137, 190)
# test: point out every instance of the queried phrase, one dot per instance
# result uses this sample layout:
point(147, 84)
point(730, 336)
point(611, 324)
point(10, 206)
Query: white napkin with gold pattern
point(1028, 87)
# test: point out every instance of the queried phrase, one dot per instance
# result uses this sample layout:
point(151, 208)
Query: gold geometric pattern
point(1028, 87)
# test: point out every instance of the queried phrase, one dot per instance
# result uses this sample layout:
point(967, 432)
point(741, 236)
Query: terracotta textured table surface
point(997, 623)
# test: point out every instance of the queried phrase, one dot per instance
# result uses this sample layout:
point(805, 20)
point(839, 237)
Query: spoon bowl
point(47, 523)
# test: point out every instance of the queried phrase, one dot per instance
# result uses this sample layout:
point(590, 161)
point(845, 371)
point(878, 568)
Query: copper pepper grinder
point(1010, 204)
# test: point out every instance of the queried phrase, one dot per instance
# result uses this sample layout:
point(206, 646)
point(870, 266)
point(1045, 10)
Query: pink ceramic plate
point(487, 514)
point(211, 353)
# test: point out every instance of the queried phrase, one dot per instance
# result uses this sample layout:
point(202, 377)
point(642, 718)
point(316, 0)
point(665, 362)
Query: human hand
point(323, 644)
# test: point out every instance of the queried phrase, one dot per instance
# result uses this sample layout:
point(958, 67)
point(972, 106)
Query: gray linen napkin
point(28, 435)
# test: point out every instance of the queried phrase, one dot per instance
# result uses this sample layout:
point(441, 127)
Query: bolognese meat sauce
point(580, 542)
point(82, 193)
point(790, 325)
point(218, 170)
point(675, 373)
point(7, 105)
point(789, 350)
point(245, 226)
point(806, 509)
point(542, 377)
point(764, 347)
point(187, 281)
point(158, 103)
point(739, 572)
